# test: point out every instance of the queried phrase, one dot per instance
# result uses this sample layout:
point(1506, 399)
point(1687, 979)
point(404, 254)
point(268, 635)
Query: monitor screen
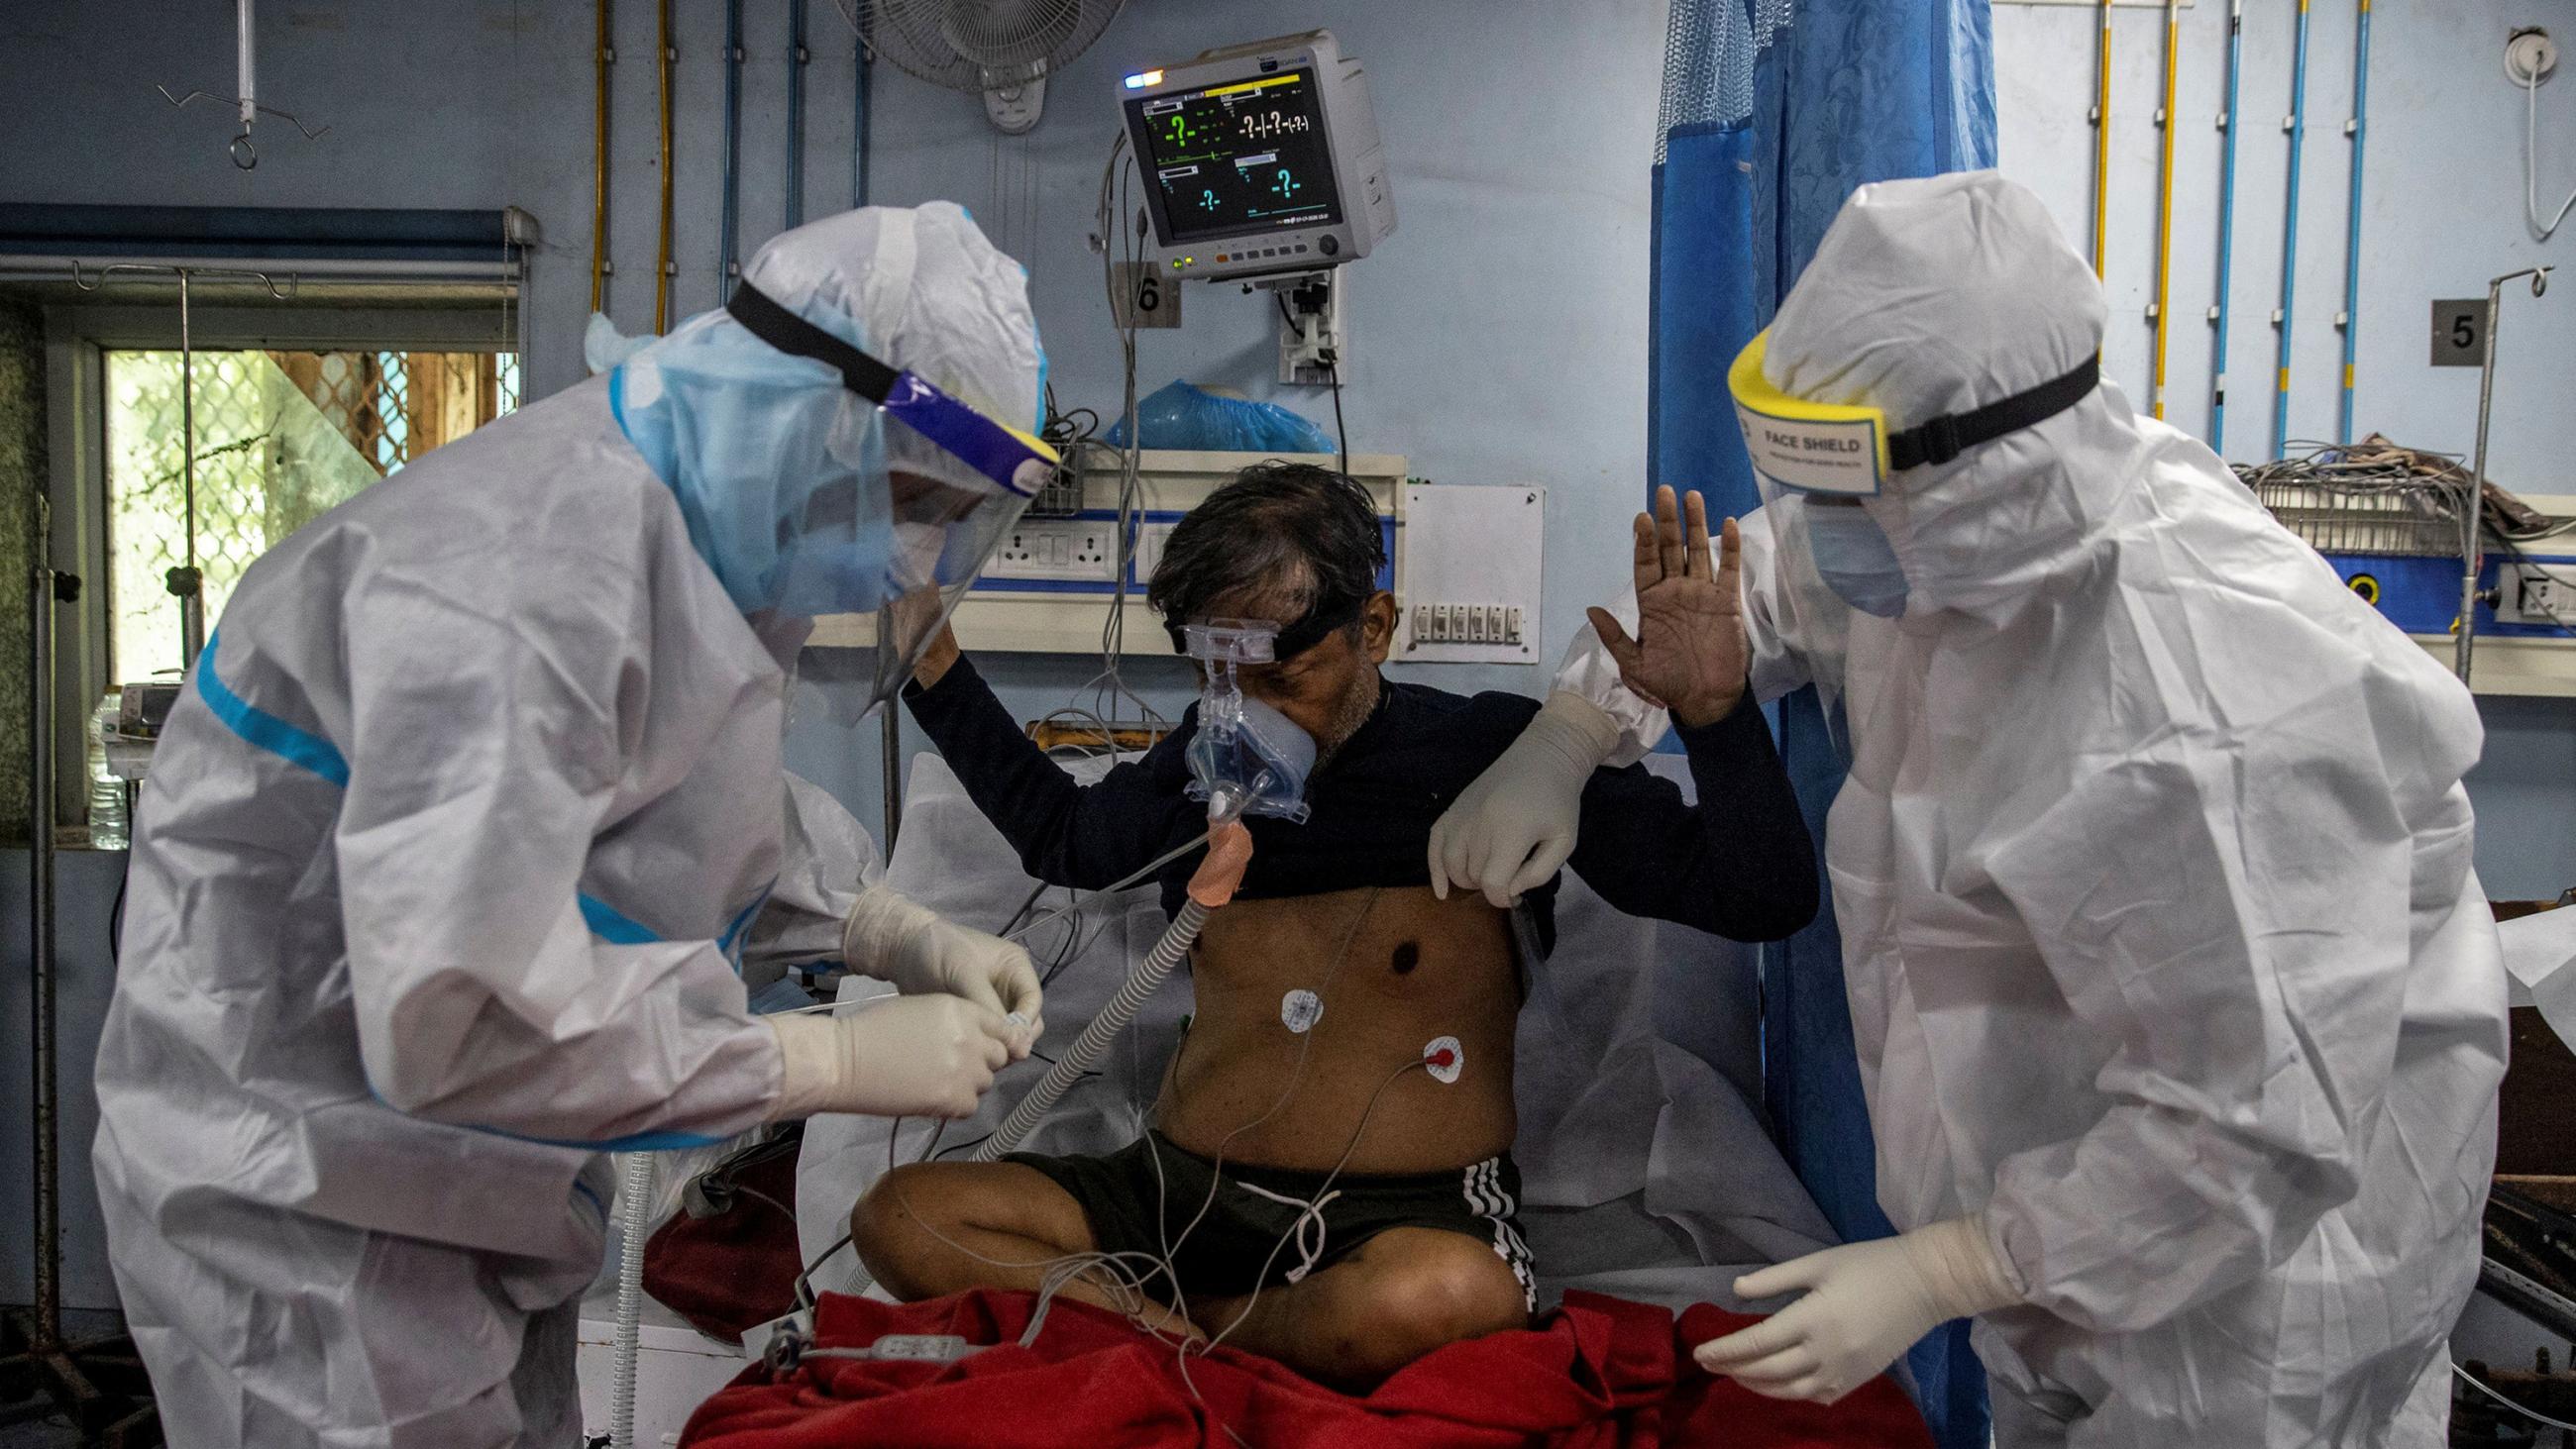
point(1238, 159)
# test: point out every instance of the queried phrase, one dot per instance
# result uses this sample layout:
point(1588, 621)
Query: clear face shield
point(942, 535)
point(1835, 456)
point(1829, 456)
point(907, 551)
point(1247, 758)
point(1818, 464)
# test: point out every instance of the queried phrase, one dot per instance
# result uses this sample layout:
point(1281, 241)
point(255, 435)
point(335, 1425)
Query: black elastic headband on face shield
point(769, 320)
point(1944, 438)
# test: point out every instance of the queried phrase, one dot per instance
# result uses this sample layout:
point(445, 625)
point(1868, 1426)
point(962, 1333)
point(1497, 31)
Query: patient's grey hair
point(1293, 538)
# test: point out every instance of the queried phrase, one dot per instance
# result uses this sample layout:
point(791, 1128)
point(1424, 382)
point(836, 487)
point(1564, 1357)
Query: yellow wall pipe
point(599, 165)
point(2102, 140)
point(2164, 202)
point(662, 260)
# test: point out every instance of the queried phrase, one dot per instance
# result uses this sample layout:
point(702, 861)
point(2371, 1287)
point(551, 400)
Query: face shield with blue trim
point(817, 477)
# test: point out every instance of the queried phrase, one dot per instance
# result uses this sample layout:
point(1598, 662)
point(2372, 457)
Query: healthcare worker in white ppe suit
point(449, 852)
point(2178, 1006)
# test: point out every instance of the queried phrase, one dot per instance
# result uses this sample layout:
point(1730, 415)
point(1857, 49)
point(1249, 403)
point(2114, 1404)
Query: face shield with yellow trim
point(1836, 455)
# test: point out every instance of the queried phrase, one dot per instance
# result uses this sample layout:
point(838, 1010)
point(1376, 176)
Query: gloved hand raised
point(895, 940)
point(910, 1056)
point(1865, 1304)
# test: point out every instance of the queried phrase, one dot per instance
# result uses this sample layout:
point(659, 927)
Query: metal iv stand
point(187, 582)
point(2473, 506)
point(99, 1384)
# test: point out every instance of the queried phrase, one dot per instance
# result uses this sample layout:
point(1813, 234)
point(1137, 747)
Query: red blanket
point(1598, 1373)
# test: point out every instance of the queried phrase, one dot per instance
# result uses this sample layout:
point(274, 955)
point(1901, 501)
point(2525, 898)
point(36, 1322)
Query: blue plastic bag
point(1184, 417)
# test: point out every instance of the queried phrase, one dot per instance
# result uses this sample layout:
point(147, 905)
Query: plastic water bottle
point(107, 823)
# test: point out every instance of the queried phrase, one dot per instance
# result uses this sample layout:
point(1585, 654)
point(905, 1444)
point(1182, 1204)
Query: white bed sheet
point(1646, 1171)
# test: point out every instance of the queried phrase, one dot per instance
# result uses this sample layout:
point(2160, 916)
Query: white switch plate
point(1471, 574)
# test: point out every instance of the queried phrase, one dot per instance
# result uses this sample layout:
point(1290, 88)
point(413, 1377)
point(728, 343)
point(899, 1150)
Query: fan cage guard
point(979, 45)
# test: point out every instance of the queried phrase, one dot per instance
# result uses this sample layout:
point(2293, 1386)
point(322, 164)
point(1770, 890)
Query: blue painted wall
point(2442, 211)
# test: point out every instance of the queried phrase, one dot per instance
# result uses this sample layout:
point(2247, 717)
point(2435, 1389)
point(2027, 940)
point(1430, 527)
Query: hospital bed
point(1646, 1171)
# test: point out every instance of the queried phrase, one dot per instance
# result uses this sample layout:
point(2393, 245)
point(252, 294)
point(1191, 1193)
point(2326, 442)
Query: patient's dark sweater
point(1739, 863)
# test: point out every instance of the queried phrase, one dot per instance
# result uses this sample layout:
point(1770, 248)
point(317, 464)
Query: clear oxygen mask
point(1247, 759)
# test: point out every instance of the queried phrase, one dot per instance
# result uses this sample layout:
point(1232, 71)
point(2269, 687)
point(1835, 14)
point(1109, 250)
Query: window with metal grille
point(280, 438)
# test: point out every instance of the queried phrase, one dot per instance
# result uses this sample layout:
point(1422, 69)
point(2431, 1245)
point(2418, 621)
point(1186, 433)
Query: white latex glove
point(912, 946)
point(912, 1056)
point(1516, 823)
point(1865, 1304)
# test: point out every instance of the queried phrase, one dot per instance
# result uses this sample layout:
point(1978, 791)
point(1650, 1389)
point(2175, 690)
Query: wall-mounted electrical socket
point(2530, 594)
point(1468, 623)
point(1075, 550)
point(1150, 538)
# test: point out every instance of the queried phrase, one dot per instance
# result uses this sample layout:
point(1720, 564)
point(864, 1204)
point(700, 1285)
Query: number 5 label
point(2459, 332)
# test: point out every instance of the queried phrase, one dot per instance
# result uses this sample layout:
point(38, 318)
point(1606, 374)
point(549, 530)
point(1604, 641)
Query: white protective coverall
point(445, 867)
point(2160, 932)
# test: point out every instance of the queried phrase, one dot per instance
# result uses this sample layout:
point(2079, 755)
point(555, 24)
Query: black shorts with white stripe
point(1268, 1226)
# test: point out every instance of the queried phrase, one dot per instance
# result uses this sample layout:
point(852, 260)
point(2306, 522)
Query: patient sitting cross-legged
point(1319, 1193)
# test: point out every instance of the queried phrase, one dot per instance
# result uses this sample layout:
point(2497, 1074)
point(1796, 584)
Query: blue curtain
point(1774, 110)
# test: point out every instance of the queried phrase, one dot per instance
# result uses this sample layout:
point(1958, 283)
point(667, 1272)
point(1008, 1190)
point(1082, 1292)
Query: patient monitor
point(1262, 160)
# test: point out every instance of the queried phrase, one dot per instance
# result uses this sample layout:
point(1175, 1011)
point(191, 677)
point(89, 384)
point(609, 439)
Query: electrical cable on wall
point(2226, 232)
point(1341, 435)
point(1119, 225)
point(2541, 230)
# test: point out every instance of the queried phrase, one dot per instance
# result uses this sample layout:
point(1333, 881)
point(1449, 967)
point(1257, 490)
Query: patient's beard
point(1352, 712)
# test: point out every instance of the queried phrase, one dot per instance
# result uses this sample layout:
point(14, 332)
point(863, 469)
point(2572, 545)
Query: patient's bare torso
point(1415, 968)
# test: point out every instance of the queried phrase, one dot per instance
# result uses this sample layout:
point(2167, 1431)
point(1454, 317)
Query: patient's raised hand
point(1690, 652)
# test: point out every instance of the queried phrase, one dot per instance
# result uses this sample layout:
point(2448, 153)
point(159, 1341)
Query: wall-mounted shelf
point(1020, 610)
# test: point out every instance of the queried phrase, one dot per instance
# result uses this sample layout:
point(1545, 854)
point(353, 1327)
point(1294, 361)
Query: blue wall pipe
point(2352, 236)
point(2226, 232)
point(859, 126)
point(728, 262)
point(796, 57)
point(2290, 237)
